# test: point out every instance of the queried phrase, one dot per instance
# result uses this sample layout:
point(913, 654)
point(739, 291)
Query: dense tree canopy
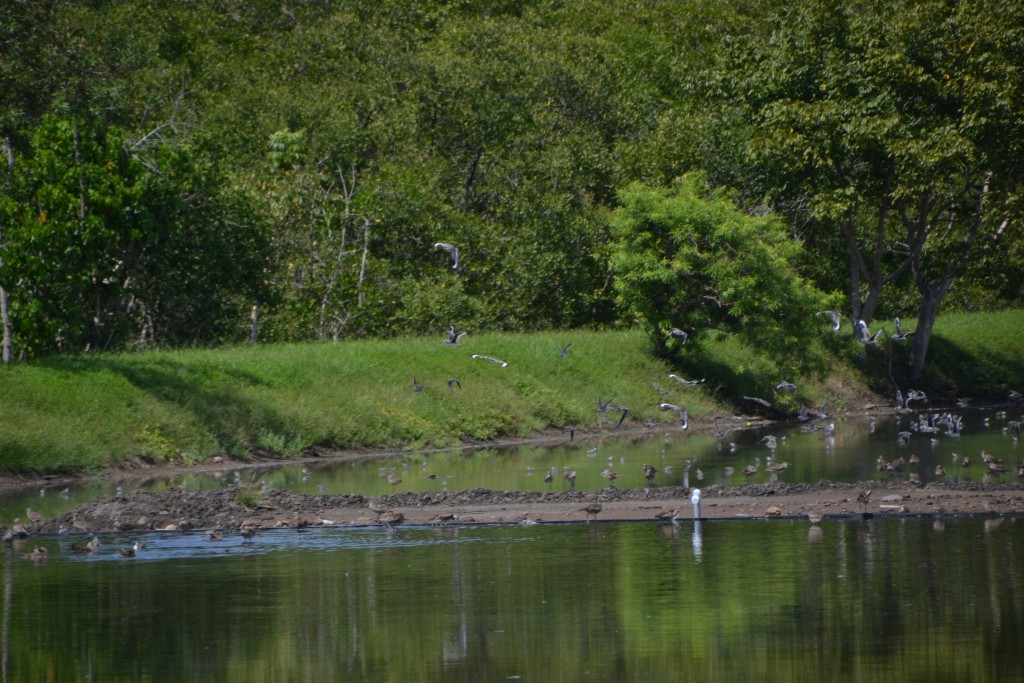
point(283, 170)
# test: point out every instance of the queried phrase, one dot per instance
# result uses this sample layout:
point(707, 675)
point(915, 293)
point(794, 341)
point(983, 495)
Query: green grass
point(88, 412)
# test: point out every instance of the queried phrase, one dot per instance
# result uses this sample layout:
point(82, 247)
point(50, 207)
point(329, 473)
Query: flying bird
point(864, 336)
point(490, 360)
point(454, 382)
point(563, 351)
point(453, 338)
point(678, 334)
point(901, 334)
point(683, 417)
point(785, 386)
point(834, 317)
point(453, 253)
point(686, 382)
point(417, 387)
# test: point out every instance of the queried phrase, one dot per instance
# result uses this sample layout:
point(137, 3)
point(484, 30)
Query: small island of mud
point(228, 508)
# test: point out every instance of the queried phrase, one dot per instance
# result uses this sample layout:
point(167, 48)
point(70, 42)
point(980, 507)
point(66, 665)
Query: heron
point(490, 360)
point(453, 253)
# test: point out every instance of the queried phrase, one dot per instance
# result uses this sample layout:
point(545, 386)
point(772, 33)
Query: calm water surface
point(893, 600)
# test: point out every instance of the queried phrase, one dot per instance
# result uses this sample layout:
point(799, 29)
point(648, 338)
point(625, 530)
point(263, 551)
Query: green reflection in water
point(771, 601)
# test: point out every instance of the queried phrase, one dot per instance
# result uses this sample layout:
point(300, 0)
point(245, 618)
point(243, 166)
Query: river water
point(878, 600)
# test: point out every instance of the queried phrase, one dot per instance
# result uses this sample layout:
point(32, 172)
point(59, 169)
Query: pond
point(880, 600)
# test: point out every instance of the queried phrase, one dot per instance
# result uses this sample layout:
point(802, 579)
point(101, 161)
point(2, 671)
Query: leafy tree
point(687, 257)
point(113, 238)
point(892, 129)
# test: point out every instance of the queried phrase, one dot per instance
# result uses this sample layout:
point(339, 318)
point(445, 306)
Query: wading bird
point(592, 510)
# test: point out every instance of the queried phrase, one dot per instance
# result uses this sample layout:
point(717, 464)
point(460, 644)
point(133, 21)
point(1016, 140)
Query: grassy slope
point(89, 411)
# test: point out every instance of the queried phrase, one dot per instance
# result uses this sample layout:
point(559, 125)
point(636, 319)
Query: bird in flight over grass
point(490, 360)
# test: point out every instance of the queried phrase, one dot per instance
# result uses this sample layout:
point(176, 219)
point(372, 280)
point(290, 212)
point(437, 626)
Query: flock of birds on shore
point(933, 424)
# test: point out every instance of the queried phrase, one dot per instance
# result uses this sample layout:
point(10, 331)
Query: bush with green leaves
point(688, 257)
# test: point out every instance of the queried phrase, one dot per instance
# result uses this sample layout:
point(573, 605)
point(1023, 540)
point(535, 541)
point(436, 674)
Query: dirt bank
point(179, 509)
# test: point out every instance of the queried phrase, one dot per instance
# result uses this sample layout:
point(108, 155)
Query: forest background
point(207, 172)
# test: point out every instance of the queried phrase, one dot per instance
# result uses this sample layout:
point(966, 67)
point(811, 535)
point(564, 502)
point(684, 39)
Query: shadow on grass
point(212, 397)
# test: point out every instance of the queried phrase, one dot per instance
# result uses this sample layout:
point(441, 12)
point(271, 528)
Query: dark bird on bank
point(391, 518)
point(668, 516)
point(453, 253)
point(570, 476)
point(592, 510)
point(490, 360)
point(864, 497)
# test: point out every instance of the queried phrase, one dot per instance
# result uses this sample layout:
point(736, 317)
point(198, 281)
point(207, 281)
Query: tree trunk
point(7, 344)
point(932, 294)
